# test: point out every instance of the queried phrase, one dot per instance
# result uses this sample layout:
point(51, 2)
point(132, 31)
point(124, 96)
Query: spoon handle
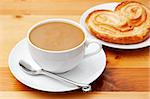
point(85, 87)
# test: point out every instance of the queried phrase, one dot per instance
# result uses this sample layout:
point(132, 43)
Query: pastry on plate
point(128, 24)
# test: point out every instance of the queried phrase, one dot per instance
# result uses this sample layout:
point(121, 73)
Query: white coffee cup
point(61, 61)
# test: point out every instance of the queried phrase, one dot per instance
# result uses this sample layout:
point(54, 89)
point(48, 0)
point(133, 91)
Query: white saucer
point(110, 6)
point(86, 72)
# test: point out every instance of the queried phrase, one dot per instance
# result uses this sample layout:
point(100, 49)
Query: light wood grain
point(13, 28)
point(63, 7)
point(137, 58)
point(111, 80)
point(70, 95)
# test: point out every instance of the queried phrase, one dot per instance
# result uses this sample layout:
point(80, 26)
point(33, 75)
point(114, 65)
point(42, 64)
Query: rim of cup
point(68, 21)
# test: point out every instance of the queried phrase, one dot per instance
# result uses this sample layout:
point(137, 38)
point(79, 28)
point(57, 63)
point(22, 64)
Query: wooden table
point(127, 72)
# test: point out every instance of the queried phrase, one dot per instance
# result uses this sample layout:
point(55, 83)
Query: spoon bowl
point(28, 68)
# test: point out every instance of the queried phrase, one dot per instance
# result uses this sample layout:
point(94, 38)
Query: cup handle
point(94, 52)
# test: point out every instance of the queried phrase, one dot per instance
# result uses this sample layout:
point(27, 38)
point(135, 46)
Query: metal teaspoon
point(27, 68)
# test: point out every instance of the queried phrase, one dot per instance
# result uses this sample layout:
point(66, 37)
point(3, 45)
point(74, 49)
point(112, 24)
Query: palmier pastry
point(128, 24)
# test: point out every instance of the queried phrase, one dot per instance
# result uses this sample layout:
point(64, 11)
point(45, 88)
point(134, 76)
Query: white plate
point(86, 72)
point(110, 6)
